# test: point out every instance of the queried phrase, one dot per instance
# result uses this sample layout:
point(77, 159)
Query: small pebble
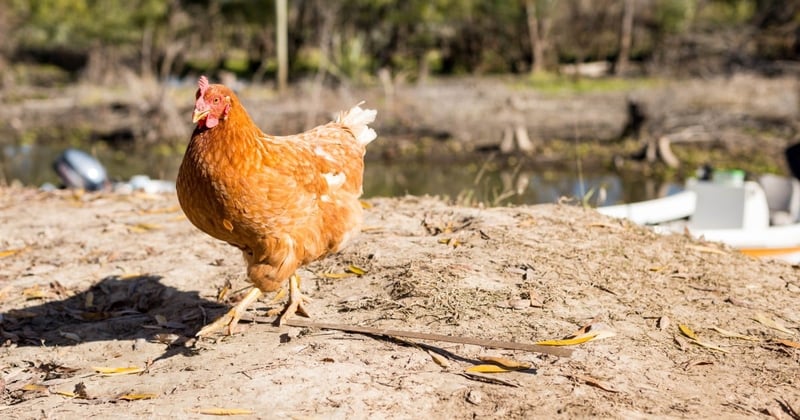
point(474, 397)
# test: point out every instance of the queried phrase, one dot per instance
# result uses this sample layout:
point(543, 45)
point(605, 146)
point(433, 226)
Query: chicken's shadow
point(112, 309)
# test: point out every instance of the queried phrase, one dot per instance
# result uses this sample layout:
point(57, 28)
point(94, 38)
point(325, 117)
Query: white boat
point(758, 218)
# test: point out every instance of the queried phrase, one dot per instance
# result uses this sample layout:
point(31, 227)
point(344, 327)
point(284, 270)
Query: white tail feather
point(357, 119)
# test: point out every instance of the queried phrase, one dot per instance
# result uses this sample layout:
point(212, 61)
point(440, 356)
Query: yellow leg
point(296, 300)
point(233, 316)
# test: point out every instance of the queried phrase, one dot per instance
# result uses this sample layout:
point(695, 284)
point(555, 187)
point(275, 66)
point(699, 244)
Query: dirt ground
point(102, 280)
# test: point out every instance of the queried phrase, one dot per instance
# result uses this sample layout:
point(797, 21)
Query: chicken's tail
point(357, 119)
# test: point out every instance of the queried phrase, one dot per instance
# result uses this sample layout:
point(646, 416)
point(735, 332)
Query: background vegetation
point(356, 40)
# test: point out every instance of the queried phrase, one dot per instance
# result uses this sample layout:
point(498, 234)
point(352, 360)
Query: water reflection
point(479, 181)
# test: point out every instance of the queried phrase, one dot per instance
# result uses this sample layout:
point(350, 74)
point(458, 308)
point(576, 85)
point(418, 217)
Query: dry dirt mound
point(105, 280)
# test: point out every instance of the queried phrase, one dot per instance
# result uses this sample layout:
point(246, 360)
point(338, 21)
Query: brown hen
point(285, 201)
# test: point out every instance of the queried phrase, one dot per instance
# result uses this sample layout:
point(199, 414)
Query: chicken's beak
point(199, 115)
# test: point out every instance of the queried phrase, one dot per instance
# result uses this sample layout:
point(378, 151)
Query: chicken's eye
point(216, 100)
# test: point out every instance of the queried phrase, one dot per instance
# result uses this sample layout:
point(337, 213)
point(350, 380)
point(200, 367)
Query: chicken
point(284, 201)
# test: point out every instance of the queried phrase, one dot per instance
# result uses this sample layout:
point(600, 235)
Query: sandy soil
point(124, 280)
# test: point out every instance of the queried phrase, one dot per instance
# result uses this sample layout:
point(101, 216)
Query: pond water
point(480, 180)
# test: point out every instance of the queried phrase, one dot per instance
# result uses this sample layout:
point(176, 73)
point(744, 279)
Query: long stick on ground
point(555, 351)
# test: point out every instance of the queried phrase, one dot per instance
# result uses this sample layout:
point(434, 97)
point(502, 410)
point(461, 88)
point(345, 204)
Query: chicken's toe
point(296, 301)
point(232, 317)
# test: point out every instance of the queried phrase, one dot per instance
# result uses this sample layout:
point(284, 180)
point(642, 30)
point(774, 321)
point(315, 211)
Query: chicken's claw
point(296, 301)
point(233, 316)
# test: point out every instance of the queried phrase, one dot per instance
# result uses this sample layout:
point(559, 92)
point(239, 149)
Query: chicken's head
point(211, 106)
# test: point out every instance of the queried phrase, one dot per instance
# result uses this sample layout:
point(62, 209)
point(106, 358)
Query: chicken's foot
point(296, 300)
point(233, 316)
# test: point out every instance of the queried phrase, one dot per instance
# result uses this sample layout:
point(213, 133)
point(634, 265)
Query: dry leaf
point(731, 334)
point(439, 359)
point(355, 270)
point(565, 342)
point(118, 371)
point(66, 394)
point(223, 411)
point(34, 387)
point(709, 346)
point(143, 227)
point(337, 275)
point(595, 382)
point(135, 397)
point(10, 252)
point(687, 331)
point(34, 292)
point(771, 323)
point(506, 363)
point(591, 331)
point(489, 379)
point(696, 362)
point(488, 369)
point(788, 343)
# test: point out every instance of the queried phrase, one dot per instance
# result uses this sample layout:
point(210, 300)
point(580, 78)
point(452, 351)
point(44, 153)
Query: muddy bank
point(729, 118)
point(124, 281)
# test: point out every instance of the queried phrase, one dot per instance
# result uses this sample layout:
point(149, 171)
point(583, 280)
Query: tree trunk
point(282, 47)
point(625, 37)
point(537, 39)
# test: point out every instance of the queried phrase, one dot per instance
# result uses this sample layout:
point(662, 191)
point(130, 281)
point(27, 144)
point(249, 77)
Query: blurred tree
point(352, 40)
point(625, 37)
point(539, 19)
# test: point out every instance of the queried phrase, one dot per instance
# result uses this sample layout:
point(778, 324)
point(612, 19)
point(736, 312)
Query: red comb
point(202, 84)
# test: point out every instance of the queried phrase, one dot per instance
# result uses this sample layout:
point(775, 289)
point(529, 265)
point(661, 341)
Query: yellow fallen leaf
point(593, 331)
point(355, 270)
point(771, 323)
point(118, 371)
point(10, 252)
point(597, 334)
point(34, 292)
point(223, 411)
point(732, 334)
point(788, 343)
point(489, 369)
point(506, 363)
point(34, 387)
point(687, 331)
point(566, 342)
point(67, 394)
point(135, 397)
